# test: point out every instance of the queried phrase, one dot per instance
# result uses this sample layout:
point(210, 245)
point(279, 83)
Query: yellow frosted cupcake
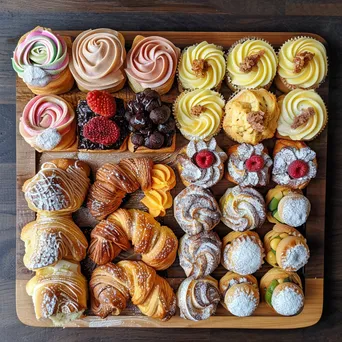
point(303, 64)
point(303, 115)
point(202, 66)
point(199, 113)
point(251, 64)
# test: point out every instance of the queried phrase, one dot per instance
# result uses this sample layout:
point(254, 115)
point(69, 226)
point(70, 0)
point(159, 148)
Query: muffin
point(201, 66)
point(303, 63)
point(199, 113)
point(251, 64)
point(251, 116)
point(303, 115)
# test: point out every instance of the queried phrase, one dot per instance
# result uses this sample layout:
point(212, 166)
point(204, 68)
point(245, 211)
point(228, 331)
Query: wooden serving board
point(28, 162)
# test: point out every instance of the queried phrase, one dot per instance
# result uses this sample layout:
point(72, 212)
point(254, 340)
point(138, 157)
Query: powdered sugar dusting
point(294, 209)
point(241, 303)
point(295, 257)
point(48, 139)
point(287, 302)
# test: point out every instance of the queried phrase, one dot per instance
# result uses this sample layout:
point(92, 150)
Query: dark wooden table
point(321, 17)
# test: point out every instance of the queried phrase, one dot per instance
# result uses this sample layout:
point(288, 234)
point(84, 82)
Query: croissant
point(112, 285)
point(59, 292)
point(157, 244)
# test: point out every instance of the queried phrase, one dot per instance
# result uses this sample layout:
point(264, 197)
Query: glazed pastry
point(59, 292)
point(198, 299)
point(48, 124)
point(295, 164)
point(201, 163)
point(242, 208)
point(303, 115)
point(199, 113)
point(282, 291)
point(240, 294)
point(242, 252)
point(196, 210)
point(303, 63)
point(41, 59)
point(199, 255)
point(249, 165)
point(152, 63)
point(157, 244)
point(101, 123)
point(151, 123)
point(251, 63)
point(49, 239)
point(286, 247)
point(98, 60)
point(60, 186)
point(251, 116)
point(112, 286)
point(201, 66)
point(286, 205)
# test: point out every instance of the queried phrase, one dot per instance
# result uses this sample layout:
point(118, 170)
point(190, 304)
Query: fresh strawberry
point(298, 169)
point(102, 103)
point(255, 163)
point(204, 159)
point(101, 130)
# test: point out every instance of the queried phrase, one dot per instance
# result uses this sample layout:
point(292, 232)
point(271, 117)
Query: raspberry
point(102, 103)
point(298, 169)
point(204, 159)
point(255, 163)
point(101, 131)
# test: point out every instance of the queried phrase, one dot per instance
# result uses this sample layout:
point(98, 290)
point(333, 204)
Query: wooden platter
point(28, 162)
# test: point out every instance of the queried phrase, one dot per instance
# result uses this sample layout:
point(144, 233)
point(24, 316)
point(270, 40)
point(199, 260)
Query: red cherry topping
point(298, 169)
point(101, 130)
point(102, 103)
point(255, 163)
point(204, 159)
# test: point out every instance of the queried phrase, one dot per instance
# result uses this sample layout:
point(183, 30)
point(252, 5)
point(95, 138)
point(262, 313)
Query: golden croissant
point(157, 244)
point(113, 285)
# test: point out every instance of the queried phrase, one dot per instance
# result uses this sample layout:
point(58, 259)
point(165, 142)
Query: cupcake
point(98, 60)
point(303, 63)
point(152, 63)
point(249, 165)
point(199, 113)
point(41, 59)
point(303, 115)
point(48, 124)
point(201, 66)
point(201, 163)
point(251, 116)
point(251, 64)
point(295, 164)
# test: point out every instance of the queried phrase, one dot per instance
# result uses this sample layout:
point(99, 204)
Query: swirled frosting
point(45, 120)
point(242, 208)
point(157, 201)
point(202, 66)
point(163, 177)
point(40, 57)
point(251, 63)
point(98, 58)
point(152, 61)
point(312, 72)
point(293, 107)
point(199, 113)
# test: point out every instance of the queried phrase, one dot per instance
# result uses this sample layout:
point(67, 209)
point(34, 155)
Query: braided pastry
point(112, 285)
point(157, 244)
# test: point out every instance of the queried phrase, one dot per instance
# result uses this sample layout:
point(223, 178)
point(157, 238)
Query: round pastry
point(295, 164)
point(249, 165)
point(242, 208)
point(303, 63)
point(48, 123)
point(289, 206)
point(303, 115)
point(197, 299)
point(152, 63)
point(251, 116)
point(196, 210)
point(286, 247)
point(242, 252)
point(251, 63)
point(201, 163)
point(240, 294)
point(282, 291)
point(199, 255)
point(98, 60)
point(41, 59)
point(201, 66)
point(199, 113)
